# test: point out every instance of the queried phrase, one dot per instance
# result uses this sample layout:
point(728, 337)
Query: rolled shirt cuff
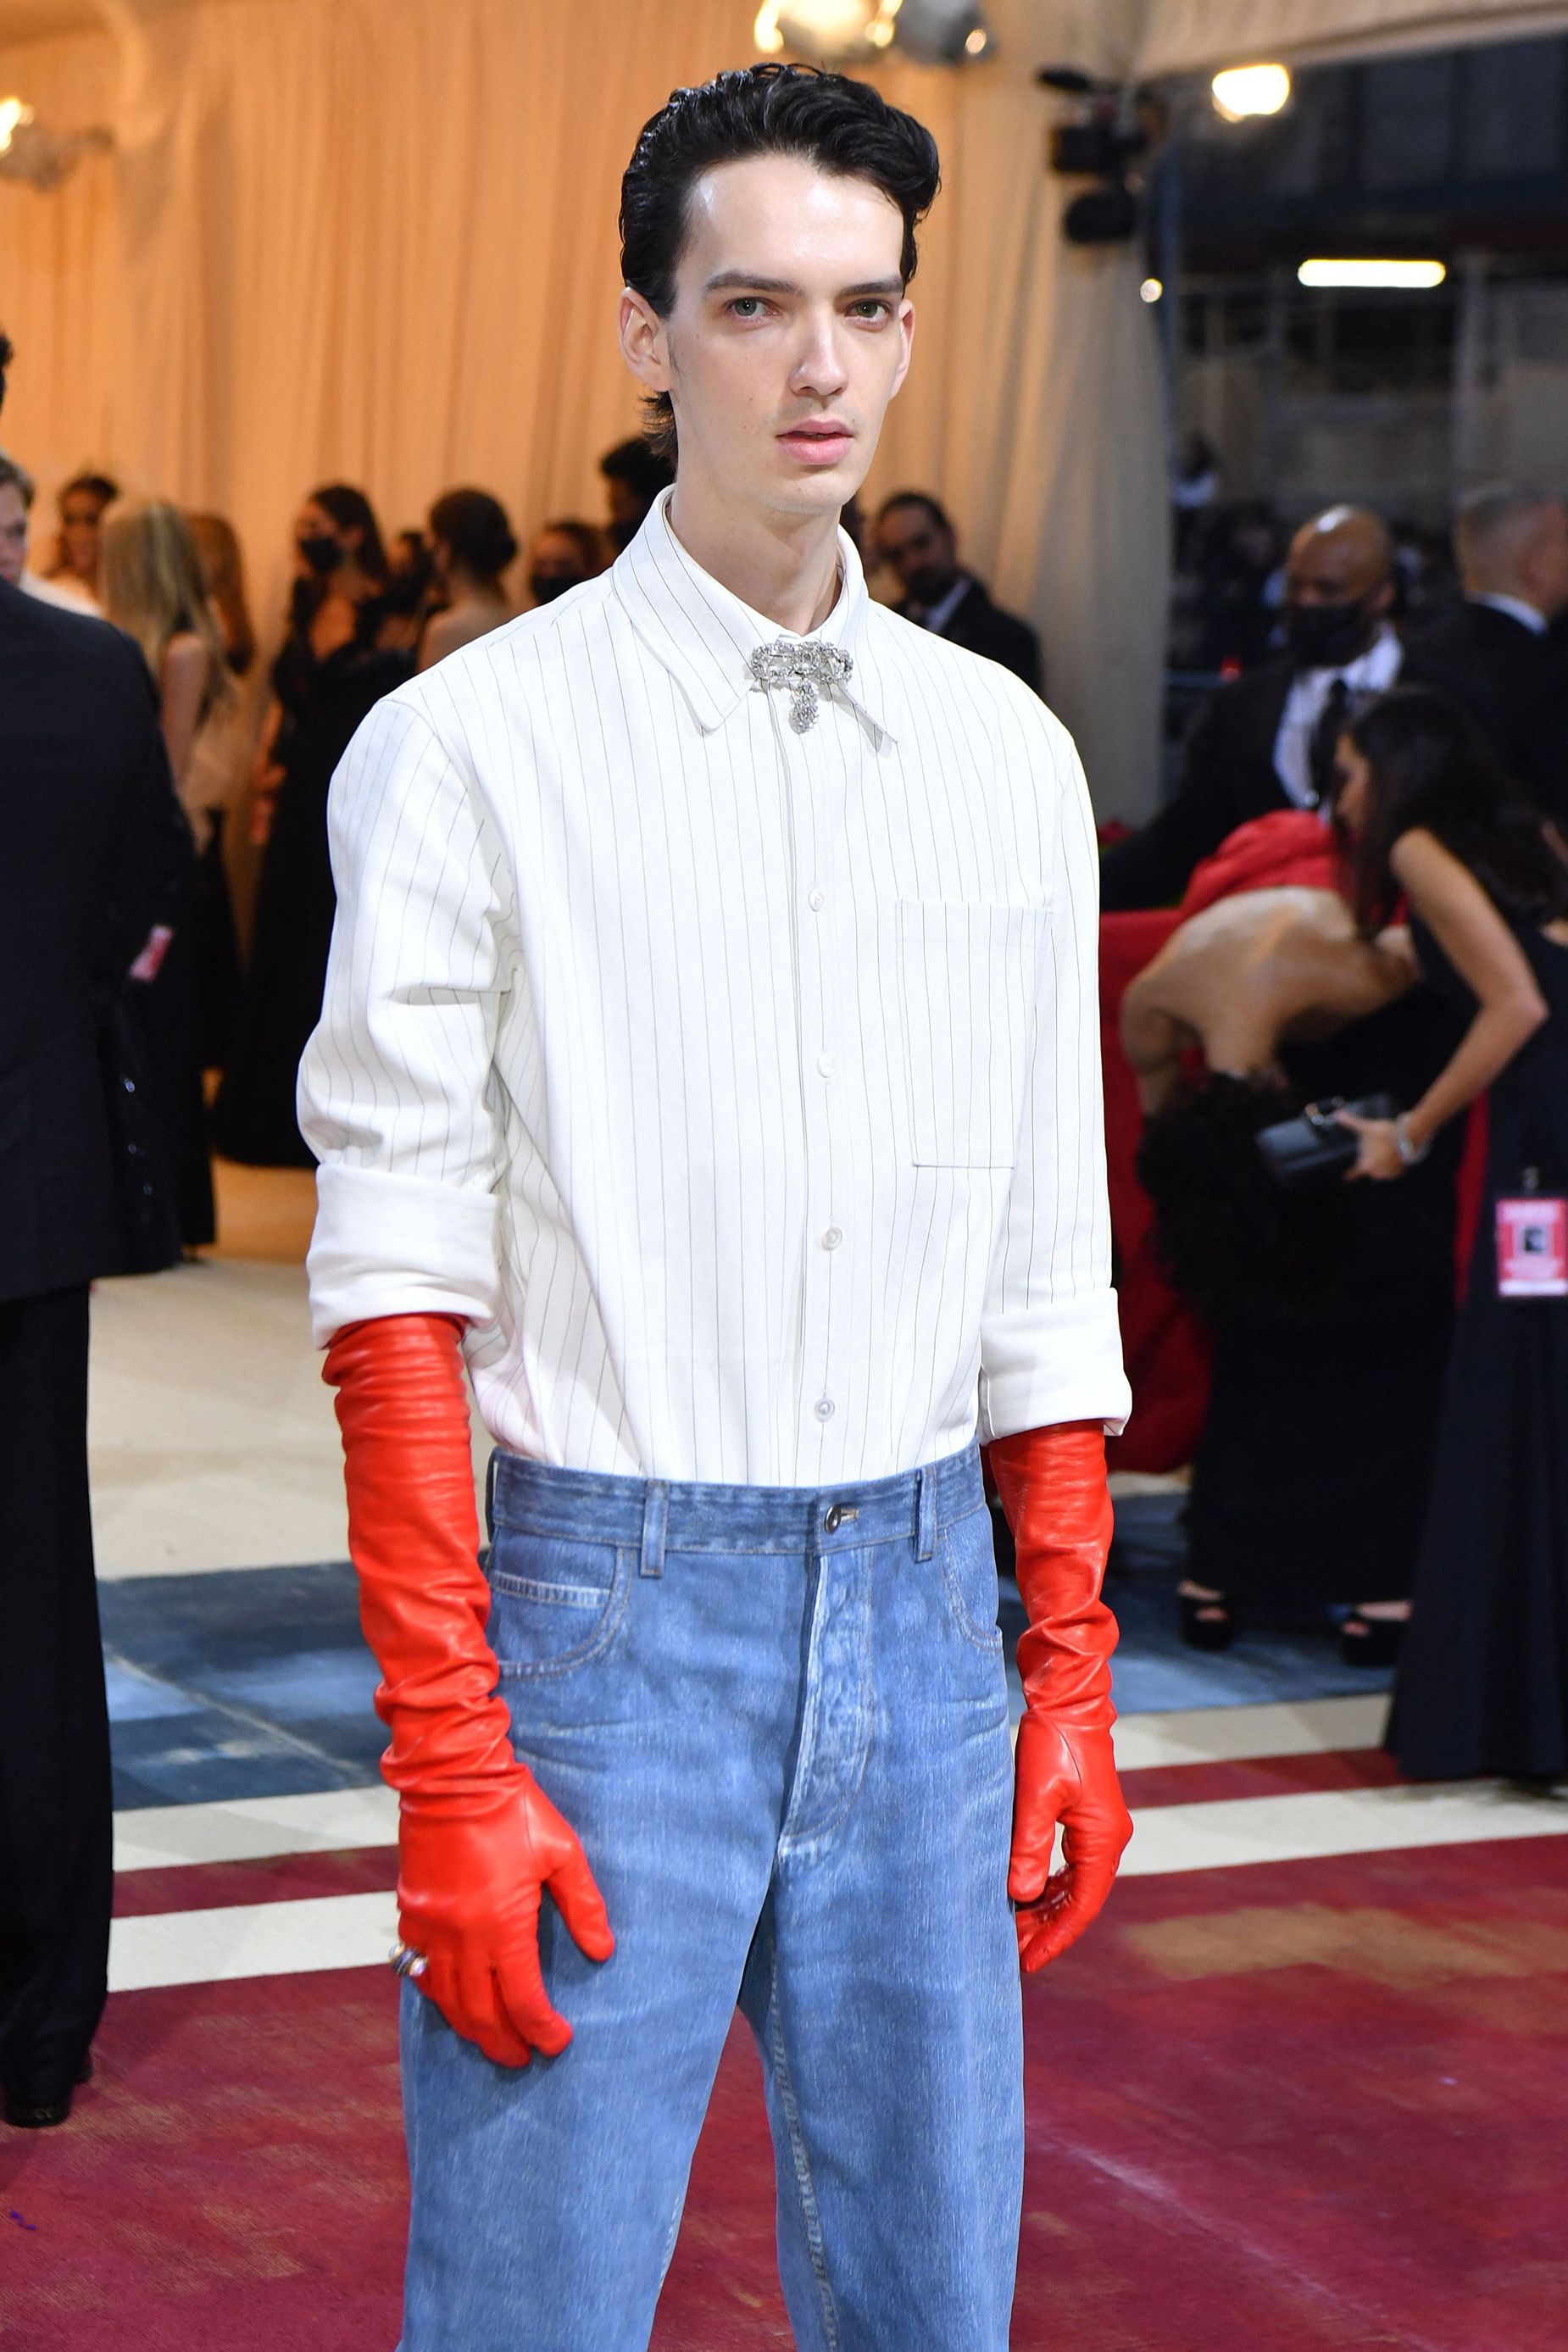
point(1045, 1365)
point(399, 1246)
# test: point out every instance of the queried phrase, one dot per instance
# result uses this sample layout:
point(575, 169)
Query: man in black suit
point(1495, 654)
point(1265, 740)
point(918, 543)
point(92, 846)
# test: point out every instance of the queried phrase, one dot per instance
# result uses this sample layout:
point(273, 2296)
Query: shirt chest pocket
point(969, 984)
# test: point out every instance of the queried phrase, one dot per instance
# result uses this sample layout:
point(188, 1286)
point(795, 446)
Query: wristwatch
point(1411, 1155)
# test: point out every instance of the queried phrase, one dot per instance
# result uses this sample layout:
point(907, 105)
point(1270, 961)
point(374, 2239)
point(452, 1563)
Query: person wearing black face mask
point(1265, 740)
point(341, 655)
point(564, 554)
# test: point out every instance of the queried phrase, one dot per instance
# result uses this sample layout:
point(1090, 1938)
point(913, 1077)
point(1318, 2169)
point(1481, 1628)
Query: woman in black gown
point(332, 668)
point(1483, 1676)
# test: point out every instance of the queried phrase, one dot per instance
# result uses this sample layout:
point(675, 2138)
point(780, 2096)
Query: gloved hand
point(478, 1839)
point(1053, 1487)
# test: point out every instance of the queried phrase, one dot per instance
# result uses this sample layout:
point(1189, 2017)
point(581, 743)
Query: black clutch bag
point(1302, 1150)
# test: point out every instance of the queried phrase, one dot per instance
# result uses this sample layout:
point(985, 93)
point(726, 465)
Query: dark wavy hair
point(1431, 768)
point(841, 125)
point(351, 510)
point(474, 529)
point(1228, 1237)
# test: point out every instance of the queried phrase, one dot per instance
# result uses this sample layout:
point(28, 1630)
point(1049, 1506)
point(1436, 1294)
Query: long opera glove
point(1053, 1487)
point(478, 1841)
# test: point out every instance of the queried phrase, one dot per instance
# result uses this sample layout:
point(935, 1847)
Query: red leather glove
point(1053, 1487)
point(478, 1838)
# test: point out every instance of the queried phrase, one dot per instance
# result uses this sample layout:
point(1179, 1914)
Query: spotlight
point(1151, 290)
point(1243, 90)
point(1418, 274)
point(43, 158)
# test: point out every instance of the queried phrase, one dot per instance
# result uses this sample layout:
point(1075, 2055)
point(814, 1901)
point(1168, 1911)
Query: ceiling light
point(1151, 290)
point(975, 43)
point(1242, 90)
point(765, 31)
point(14, 115)
point(1371, 273)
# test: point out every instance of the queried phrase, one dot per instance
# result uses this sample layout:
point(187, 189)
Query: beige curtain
point(374, 239)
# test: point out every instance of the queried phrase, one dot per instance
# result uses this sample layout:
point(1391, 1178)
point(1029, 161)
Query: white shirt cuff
point(399, 1246)
point(1045, 1365)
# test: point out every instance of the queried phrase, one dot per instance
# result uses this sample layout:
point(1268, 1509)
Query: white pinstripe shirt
point(740, 1087)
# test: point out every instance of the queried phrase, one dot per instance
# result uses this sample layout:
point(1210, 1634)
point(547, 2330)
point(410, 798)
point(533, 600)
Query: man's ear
point(643, 345)
point(1381, 597)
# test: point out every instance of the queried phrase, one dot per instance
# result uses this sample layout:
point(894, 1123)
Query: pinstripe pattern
point(741, 1088)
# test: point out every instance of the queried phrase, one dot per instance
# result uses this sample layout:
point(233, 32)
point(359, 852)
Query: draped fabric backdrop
point(375, 239)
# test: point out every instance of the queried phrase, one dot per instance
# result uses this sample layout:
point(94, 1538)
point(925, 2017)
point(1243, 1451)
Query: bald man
point(1496, 654)
point(1264, 741)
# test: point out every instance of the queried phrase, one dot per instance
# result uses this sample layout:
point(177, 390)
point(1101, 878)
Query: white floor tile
point(1313, 1825)
point(1214, 1735)
point(249, 1828)
point(251, 1939)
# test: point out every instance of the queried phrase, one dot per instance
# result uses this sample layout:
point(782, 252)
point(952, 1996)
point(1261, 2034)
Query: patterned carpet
point(1297, 2105)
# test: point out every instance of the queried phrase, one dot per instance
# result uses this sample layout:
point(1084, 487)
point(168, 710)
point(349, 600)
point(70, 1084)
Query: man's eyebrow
point(730, 281)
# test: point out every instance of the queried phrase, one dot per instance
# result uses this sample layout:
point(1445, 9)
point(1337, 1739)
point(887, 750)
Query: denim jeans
point(777, 1719)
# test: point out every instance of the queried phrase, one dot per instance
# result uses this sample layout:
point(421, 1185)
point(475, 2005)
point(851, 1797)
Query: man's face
point(920, 550)
point(12, 533)
point(788, 336)
point(81, 518)
point(1545, 570)
point(1328, 567)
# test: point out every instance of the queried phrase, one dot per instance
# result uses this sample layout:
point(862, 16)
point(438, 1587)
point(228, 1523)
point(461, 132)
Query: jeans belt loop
point(925, 1514)
point(490, 1492)
point(654, 1520)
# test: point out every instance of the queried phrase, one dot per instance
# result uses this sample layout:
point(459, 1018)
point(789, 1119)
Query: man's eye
point(747, 306)
point(871, 309)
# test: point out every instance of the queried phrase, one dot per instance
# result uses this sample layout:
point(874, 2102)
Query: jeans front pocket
point(969, 987)
point(555, 1600)
point(967, 1552)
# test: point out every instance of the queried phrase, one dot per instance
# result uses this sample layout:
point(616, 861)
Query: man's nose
point(819, 363)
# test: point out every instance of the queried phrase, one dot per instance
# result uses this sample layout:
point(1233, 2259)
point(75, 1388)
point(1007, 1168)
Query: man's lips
point(821, 442)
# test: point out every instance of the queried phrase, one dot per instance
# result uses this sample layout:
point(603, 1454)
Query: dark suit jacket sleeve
point(156, 849)
point(1153, 868)
point(1018, 649)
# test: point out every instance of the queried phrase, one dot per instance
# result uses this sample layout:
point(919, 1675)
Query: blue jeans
point(777, 1719)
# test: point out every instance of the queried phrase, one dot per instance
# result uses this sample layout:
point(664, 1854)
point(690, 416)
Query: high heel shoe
point(1207, 1624)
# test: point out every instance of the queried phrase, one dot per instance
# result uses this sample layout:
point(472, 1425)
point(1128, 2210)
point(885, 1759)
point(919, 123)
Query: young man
point(709, 1059)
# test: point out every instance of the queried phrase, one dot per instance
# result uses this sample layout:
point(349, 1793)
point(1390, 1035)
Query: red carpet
point(1288, 2106)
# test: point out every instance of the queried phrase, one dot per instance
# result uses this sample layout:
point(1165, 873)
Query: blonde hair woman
point(154, 589)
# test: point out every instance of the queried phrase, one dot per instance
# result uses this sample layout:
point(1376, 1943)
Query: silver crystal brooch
point(808, 670)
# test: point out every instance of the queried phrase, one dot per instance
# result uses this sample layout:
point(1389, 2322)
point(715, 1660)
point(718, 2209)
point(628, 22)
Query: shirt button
point(832, 1237)
point(816, 902)
point(824, 1064)
point(824, 1408)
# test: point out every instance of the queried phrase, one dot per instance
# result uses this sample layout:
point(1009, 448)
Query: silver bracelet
point(1411, 1155)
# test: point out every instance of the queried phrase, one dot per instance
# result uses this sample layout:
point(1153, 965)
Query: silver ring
point(406, 1962)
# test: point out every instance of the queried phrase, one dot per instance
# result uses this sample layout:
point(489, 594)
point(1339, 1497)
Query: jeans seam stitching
point(811, 2213)
point(988, 1641)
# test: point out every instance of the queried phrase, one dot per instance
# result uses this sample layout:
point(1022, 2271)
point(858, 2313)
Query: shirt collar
point(705, 635)
point(1528, 615)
